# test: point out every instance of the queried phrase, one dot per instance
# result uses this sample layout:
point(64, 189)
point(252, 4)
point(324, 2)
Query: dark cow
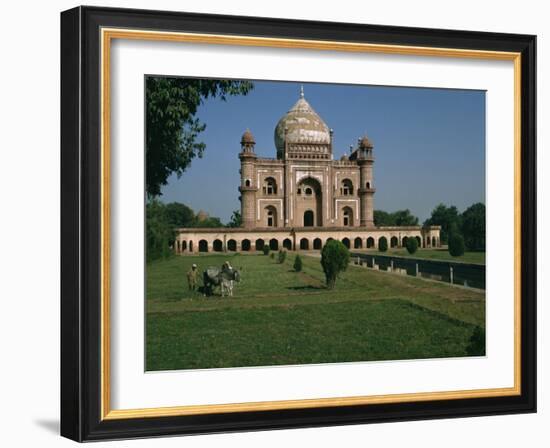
point(224, 278)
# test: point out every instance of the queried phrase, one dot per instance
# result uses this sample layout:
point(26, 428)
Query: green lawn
point(436, 254)
point(282, 317)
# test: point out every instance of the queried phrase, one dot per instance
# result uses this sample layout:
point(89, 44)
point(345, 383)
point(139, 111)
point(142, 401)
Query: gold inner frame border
point(107, 35)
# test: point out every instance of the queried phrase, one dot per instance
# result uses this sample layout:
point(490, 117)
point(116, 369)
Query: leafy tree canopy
point(172, 128)
point(163, 219)
point(446, 217)
point(473, 226)
point(397, 218)
point(236, 219)
point(210, 221)
point(159, 233)
point(179, 215)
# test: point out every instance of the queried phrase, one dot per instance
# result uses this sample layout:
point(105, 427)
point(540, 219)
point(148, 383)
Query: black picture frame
point(81, 224)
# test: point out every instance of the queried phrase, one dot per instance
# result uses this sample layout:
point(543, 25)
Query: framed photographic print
point(274, 223)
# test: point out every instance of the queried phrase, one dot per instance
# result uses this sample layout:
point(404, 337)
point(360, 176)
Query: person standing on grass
point(192, 277)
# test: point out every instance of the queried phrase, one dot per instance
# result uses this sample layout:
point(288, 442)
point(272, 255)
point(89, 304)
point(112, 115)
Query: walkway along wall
point(195, 240)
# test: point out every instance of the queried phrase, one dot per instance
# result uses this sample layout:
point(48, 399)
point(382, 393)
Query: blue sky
point(429, 144)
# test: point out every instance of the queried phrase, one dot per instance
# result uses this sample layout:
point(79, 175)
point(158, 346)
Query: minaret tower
point(366, 190)
point(248, 180)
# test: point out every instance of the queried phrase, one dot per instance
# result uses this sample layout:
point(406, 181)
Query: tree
point(404, 218)
point(473, 226)
point(383, 244)
point(236, 219)
point(159, 233)
point(179, 215)
point(456, 244)
point(397, 218)
point(297, 263)
point(172, 128)
point(411, 245)
point(446, 217)
point(334, 260)
point(382, 218)
point(209, 222)
point(281, 256)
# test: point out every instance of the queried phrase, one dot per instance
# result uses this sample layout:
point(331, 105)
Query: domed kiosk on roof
point(247, 137)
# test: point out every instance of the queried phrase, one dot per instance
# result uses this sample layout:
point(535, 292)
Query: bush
point(411, 245)
point(383, 244)
point(456, 244)
point(272, 255)
point(265, 249)
point(282, 256)
point(476, 346)
point(159, 231)
point(298, 263)
point(334, 260)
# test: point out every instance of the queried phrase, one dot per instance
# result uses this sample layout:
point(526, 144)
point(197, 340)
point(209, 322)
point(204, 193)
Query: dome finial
point(302, 91)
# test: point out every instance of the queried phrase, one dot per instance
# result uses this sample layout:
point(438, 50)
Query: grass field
point(278, 316)
point(436, 254)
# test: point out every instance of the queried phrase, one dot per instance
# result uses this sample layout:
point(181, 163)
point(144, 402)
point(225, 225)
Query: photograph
point(274, 223)
point(298, 223)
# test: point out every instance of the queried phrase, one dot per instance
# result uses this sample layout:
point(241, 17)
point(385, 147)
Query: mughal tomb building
point(303, 197)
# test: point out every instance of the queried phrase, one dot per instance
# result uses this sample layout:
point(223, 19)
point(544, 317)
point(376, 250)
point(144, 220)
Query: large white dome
point(303, 125)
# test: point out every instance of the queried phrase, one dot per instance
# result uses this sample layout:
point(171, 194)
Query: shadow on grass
point(306, 288)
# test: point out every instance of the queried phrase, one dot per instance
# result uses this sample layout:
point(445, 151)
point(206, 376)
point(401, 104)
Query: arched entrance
point(394, 241)
point(287, 244)
point(309, 218)
point(259, 244)
point(273, 244)
point(218, 246)
point(317, 244)
point(309, 202)
point(404, 241)
point(232, 245)
point(346, 242)
point(370, 242)
point(304, 244)
point(245, 245)
point(203, 246)
point(358, 243)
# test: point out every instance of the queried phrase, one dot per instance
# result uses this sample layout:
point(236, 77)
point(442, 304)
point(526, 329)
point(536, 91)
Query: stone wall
point(313, 238)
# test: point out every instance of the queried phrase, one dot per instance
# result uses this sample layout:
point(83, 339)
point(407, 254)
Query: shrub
point(456, 244)
point(411, 245)
point(265, 249)
point(383, 244)
point(282, 256)
point(272, 255)
point(298, 263)
point(476, 346)
point(334, 260)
